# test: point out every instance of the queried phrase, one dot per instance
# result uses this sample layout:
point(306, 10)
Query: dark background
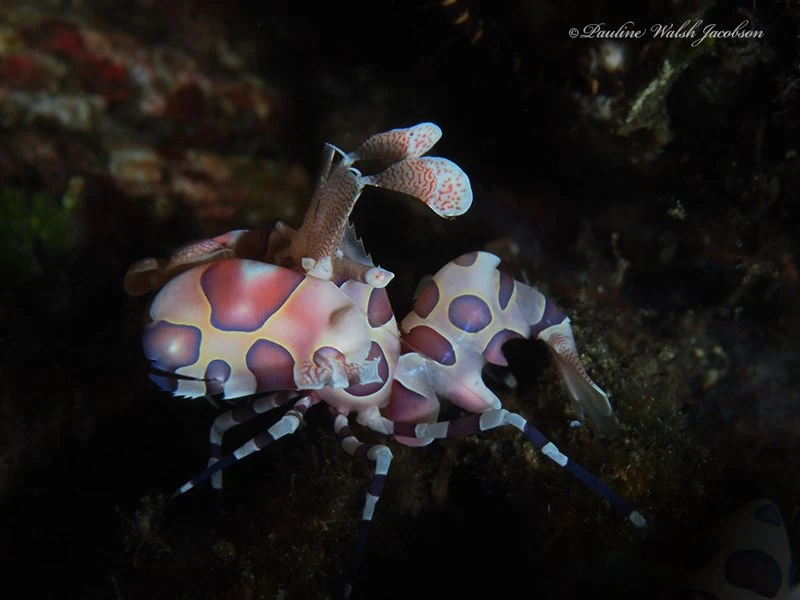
point(668, 233)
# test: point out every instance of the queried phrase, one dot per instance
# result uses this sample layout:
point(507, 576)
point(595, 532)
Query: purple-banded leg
point(383, 458)
point(287, 425)
point(241, 413)
point(492, 419)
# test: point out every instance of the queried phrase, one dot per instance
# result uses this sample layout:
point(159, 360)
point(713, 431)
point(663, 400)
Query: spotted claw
point(438, 182)
point(398, 144)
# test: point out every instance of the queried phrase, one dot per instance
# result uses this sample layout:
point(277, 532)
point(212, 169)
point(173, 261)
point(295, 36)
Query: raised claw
point(438, 182)
point(587, 397)
point(398, 144)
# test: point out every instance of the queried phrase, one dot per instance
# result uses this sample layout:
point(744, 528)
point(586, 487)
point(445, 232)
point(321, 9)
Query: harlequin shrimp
point(746, 556)
point(301, 317)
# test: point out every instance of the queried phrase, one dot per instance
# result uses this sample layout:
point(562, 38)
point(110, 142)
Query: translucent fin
point(329, 151)
point(353, 248)
point(587, 397)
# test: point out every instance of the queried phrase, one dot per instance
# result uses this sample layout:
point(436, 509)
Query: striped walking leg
point(383, 458)
point(287, 425)
point(241, 413)
point(492, 419)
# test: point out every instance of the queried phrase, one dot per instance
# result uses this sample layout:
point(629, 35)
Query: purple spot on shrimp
point(469, 313)
point(767, 513)
point(171, 346)
point(466, 260)
point(408, 407)
point(552, 315)
point(367, 389)
point(427, 299)
point(406, 404)
point(243, 294)
point(272, 365)
point(493, 352)
point(424, 340)
point(217, 373)
point(379, 311)
point(754, 570)
point(506, 289)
